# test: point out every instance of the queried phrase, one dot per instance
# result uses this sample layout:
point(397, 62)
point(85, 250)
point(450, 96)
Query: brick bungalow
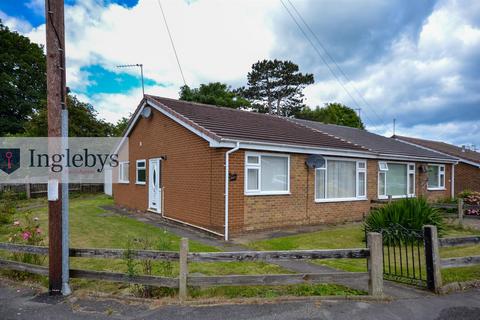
point(228, 171)
point(466, 171)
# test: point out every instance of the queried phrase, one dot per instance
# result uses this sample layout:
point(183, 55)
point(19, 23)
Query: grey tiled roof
point(226, 123)
point(443, 147)
point(375, 143)
point(230, 123)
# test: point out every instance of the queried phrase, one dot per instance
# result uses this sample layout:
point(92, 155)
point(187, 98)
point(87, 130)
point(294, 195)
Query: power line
point(334, 61)
point(171, 41)
point(340, 82)
point(321, 57)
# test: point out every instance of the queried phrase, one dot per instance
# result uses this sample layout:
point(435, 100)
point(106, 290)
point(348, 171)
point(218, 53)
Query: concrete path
point(391, 289)
point(18, 302)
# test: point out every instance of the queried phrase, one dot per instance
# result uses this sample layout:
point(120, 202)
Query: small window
point(267, 174)
point(383, 166)
point(253, 160)
point(436, 177)
point(141, 172)
point(123, 168)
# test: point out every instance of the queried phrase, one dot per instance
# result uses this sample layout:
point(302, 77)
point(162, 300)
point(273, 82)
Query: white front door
point(154, 187)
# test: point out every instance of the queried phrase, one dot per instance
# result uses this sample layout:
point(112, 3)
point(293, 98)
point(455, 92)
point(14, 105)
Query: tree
point(334, 113)
point(120, 127)
point(82, 121)
point(276, 87)
point(23, 86)
point(214, 93)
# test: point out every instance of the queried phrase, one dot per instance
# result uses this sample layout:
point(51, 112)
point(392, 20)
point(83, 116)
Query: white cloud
point(113, 106)
point(215, 40)
point(15, 24)
point(419, 78)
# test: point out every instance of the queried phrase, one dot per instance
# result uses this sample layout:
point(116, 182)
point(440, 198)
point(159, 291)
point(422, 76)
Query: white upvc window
point(436, 177)
point(141, 172)
point(396, 179)
point(341, 180)
point(267, 174)
point(123, 172)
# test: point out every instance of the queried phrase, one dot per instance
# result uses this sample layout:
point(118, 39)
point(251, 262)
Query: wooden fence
point(34, 190)
point(437, 263)
point(459, 209)
point(373, 254)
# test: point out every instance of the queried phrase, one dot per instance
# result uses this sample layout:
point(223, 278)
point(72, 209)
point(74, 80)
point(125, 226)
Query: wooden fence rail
point(460, 262)
point(32, 190)
point(435, 263)
point(458, 241)
point(373, 253)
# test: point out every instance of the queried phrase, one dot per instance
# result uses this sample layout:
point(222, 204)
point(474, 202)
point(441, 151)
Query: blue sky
point(415, 61)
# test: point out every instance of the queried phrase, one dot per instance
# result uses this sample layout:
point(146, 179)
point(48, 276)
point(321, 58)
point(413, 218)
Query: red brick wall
point(262, 212)
point(193, 184)
point(467, 177)
point(190, 175)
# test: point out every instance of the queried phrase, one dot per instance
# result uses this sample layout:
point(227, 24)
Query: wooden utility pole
point(56, 102)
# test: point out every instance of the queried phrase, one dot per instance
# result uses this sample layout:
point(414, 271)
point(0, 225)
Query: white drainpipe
point(227, 181)
point(452, 187)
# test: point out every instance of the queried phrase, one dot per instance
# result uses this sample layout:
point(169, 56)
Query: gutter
point(227, 181)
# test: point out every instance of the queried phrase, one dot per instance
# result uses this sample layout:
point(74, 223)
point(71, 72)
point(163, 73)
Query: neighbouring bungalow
point(229, 171)
point(466, 172)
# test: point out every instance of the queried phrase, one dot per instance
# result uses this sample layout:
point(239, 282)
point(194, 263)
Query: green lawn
point(352, 236)
point(94, 227)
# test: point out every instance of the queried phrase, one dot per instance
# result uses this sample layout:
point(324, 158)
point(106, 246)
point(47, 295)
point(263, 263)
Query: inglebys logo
point(69, 159)
point(9, 160)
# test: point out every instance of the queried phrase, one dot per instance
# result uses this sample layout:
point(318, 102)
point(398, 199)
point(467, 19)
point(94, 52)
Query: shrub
point(403, 219)
point(473, 198)
point(465, 193)
point(27, 232)
point(8, 207)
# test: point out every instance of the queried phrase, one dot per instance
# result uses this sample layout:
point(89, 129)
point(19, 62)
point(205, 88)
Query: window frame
point(409, 172)
point(440, 173)
point(357, 174)
point(258, 167)
point(121, 179)
point(136, 171)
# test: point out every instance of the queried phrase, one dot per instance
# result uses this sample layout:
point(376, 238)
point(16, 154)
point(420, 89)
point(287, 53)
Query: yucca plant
point(403, 219)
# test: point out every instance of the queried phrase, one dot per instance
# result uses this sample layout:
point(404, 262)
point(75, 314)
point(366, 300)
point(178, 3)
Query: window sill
point(124, 182)
point(397, 197)
point(436, 189)
point(339, 200)
point(140, 183)
point(278, 193)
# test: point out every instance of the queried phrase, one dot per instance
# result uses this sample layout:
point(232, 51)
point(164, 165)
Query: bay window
point(267, 174)
point(340, 180)
point(396, 179)
point(436, 177)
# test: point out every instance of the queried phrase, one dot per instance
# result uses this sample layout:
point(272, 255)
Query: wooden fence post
point(460, 211)
point(375, 264)
point(432, 258)
point(28, 190)
point(182, 278)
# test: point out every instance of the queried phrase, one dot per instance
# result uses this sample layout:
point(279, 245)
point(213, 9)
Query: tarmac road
point(24, 303)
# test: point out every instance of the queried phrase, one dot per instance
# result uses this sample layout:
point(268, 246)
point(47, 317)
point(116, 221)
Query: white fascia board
point(265, 146)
